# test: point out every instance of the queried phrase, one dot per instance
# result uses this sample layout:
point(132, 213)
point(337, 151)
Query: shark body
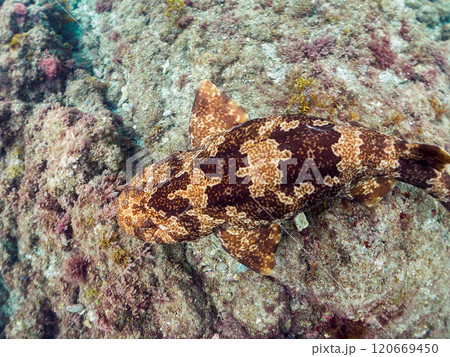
point(243, 177)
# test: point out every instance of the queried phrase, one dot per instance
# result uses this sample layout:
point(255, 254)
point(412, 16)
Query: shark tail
point(427, 167)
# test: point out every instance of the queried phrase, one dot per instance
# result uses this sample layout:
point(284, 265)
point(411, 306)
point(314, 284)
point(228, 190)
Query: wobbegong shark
point(243, 177)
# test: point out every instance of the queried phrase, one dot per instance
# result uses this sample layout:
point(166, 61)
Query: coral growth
point(50, 65)
point(20, 9)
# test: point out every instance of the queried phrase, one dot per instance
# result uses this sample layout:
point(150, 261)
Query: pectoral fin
point(372, 190)
point(255, 248)
point(212, 113)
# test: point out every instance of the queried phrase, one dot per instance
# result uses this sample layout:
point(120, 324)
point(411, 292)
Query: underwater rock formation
point(75, 103)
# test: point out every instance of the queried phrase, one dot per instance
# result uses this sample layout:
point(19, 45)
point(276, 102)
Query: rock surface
point(81, 93)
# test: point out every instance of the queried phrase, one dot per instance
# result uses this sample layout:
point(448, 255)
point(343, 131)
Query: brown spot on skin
point(213, 149)
point(305, 142)
point(159, 173)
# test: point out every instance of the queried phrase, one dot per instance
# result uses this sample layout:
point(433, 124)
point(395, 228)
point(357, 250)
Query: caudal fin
point(430, 155)
point(427, 167)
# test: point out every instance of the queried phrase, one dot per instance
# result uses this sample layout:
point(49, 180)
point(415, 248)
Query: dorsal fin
point(370, 191)
point(212, 113)
point(255, 248)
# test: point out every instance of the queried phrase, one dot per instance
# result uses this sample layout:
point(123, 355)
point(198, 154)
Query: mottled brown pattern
point(372, 190)
point(253, 248)
point(212, 113)
point(180, 200)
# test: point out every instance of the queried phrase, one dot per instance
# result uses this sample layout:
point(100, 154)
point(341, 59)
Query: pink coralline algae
point(381, 49)
point(404, 31)
point(50, 65)
point(298, 49)
point(320, 47)
point(63, 224)
point(75, 269)
point(20, 9)
point(440, 56)
point(295, 51)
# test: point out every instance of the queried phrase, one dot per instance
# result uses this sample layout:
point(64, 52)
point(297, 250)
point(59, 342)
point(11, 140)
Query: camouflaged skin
point(233, 185)
point(211, 104)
